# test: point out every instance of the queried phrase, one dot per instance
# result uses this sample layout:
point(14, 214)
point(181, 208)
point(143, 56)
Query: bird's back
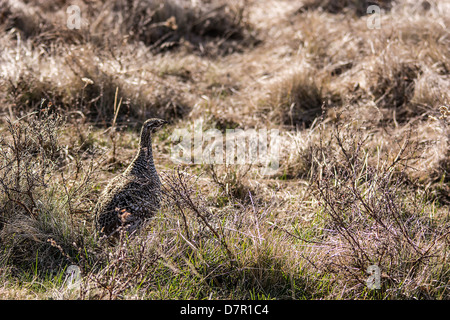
point(126, 201)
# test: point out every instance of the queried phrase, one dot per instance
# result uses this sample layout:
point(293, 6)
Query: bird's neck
point(143, 162)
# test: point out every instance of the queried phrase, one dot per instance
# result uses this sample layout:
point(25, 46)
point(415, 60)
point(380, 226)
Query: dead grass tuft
point(295, 98)
point(358, 7)
point(394, 87)
point(211, 27)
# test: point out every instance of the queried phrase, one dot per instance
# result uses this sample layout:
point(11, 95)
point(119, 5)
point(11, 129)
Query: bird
point(134, 195)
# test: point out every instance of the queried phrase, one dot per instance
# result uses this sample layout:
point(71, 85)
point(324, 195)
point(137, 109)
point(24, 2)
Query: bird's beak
point(160, 125)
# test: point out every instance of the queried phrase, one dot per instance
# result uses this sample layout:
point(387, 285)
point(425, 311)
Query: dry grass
point(358, 7)
point(364, 161)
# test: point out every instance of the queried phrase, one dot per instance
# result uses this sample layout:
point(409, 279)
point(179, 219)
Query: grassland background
point(364, 153)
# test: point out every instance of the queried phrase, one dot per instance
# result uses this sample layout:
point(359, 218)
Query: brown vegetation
point(364, 154)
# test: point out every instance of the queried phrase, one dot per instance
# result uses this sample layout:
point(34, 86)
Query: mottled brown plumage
point(134, 195)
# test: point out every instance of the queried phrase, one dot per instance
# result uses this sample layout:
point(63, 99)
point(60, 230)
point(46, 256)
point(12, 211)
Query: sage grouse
point(134, 195)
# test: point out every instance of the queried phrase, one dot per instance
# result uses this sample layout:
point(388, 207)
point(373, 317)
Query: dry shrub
point(38, 199)
point(178, 190)
point(233, 248)
point(117, 269)
point(29, 157)
point(373, 218)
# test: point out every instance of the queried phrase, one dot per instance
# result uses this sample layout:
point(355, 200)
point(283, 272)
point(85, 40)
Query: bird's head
point(152, 125)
